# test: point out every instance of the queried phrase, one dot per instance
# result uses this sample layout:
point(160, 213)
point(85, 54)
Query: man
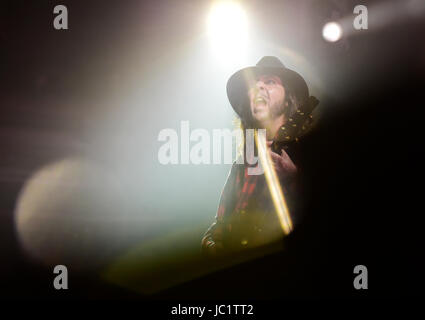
point(272, 97)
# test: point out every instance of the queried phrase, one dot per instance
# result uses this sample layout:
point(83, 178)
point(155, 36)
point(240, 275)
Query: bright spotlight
point(228, 29)
point(332, 31)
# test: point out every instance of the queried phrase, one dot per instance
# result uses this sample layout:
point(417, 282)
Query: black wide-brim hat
point(237, 85)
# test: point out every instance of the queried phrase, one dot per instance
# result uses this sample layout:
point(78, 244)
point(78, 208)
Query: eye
point(270, 82)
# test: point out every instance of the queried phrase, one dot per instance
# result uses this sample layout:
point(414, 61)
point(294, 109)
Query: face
point(267, 97)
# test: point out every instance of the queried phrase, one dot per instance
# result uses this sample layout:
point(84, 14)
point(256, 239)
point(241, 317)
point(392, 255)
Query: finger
point(269, 145)
point(278, 161)
point(285, 155)
point(275, 157)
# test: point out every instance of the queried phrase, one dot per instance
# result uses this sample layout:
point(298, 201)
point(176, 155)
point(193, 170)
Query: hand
point(283, 165)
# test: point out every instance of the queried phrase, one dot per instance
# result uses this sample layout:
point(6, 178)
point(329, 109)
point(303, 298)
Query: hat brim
point(237, 85)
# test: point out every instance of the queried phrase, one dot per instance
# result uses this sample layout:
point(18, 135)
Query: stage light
point(228, 29)
point(332, 31)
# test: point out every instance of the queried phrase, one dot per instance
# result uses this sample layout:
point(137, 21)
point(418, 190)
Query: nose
point(260, 85)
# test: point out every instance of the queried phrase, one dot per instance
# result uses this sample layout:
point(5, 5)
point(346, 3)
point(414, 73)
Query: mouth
point(259, 101)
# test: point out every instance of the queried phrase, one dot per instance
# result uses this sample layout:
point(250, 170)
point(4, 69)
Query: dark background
point(363, 163)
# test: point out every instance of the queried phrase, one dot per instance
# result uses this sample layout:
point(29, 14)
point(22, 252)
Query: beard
point(277, 111)
point(274, 112)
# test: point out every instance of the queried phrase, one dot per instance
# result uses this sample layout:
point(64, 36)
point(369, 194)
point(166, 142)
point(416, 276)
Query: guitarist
point(272, 97)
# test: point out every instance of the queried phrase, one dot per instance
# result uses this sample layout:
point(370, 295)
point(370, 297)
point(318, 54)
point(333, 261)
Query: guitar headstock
point(299, 122)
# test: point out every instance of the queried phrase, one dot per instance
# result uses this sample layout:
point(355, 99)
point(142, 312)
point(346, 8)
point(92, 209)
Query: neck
point(273, 126)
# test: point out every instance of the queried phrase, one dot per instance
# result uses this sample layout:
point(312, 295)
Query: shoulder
point(237, 166)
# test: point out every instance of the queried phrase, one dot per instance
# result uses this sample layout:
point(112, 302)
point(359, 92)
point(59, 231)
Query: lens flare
point(273, 183)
